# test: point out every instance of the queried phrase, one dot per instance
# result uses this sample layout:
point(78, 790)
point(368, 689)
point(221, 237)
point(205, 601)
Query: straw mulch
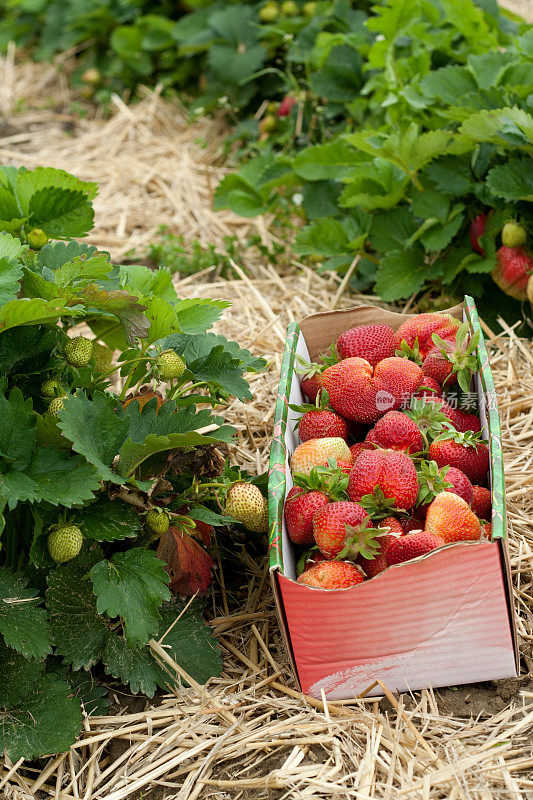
point(250, 734)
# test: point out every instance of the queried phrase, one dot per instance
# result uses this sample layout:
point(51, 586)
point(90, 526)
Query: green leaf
point(449, 84)
point(55, 254)
point(60, 213)
point(376, 184)
point(79, 633)
point(10, 277)
point(189, 642)
point(199, 346)
point(331, 161)
point(236, 193)
point(340, 77)
point(439, 236)
point(23, 624)
point(47, 720)
point(132, 585)
point(451, 175)
point(30, 181)
point(391, 230)
point(162, 317)
point(97, 429)
point(84, 687)
point(512, 180)
point(17, 676)
point(17, 429)
point(82, 270)
point(33, 311)
point(196, 315)
point(235, 62)
point(119, 303)
point(326, 236)
point(10, 248)
point(107, 520)
point(62, 479)
point(144, 281)
point(400, 274)
point(219, 368)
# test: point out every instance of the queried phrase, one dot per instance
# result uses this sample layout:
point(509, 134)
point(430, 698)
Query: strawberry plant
point(111, 451)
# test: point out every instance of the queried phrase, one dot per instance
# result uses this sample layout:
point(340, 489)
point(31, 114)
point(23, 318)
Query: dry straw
point(250, 734)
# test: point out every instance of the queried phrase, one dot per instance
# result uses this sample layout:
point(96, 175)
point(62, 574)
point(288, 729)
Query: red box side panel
point(439, 621)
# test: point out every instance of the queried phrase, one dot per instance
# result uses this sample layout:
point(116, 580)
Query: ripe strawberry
point(344, 529)
point(311, 373)
point(286, 106)
point(360, 447)
point(433, 481)
point(486, 529)
point(466, 422)
point(319, 421)
point(300, 507)
point(64, 542)
point(477, 229)
point(310, 559)
point(373, 566)
point(464, 451)
point(78, 351)
point(318, 452)
point(393, 524)
point(169, 366)
point(431, 416)
point(371, 342)
point(417, 331)
point(332, 575)
point(409, 524)
point(384, 479)
point(396, 431)
point(453, 362)
point(481, 502)
point(52, 388)
point(246, 504)
point(158, 521)
point(56, 406)
point(361, 393)
point(511, 273)
point(429, 389)
point(513, 234)
point(412, 545)
point(450, 517)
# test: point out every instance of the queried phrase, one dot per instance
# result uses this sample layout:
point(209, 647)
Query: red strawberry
point(511, 273)
point(310, 559)
point(344, 528)
point(393, 524)
point(361, 393)
point(433, 481)
point(429, 389)
point(311, 373)
point(360, 447)
point(319, 421)
point(286, 106)
point(486, 528)
point(418, 330)
point(477, 229)
point(396, 431)
point(300, 507)
point(481, 502)
point(451, 362)
point(464, 451)
point(373, 566)
point(332, 575)
point(450, 517)
point(431, 416)
point(384, 479)
point(318, 452)
point(412, 545)
point(371, 342)
point(409, 524)
point(466, 422)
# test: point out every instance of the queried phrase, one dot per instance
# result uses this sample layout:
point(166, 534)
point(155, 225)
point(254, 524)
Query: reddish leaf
point(188, 565)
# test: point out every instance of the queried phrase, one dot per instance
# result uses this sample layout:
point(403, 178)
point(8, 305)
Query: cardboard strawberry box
point(443, 619)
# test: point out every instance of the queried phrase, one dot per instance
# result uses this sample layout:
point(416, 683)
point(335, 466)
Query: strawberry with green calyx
point(448, 363)
point(373, 566)
point(37, 239)
point(434, 480)
point(465, 451)
point(169, 366)
point(78, 351)
point(246, 504)
point(429, 389)
point(344, 529)
point(383, 481)
point(418, 330)
point(52, 388)
point(514, 266)
point(513, 234)
point(311, 373)
point(331, 480)
point(300, 508)
point(319, 420)
point(332, 575)
point(64, 542)
point(157, 520)
point(56, 406)
point(432, 417)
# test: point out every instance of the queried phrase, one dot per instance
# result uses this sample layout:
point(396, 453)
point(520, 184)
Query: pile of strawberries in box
point(390, 465)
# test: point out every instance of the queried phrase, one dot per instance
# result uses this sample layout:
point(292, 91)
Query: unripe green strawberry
point(268, 123)
point(52, 388)
point(170, 365)
point(513, 234)
point(37, 239)
point(78, 351)
point(92, 76)
point(157, 521)
point(65, 542)
point(269, 12)
point(246, 504)
point(56, 405)
point(289, 8)
point(309, 9)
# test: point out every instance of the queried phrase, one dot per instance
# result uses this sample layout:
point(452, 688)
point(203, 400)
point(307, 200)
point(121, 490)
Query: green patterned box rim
point(278, 455)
